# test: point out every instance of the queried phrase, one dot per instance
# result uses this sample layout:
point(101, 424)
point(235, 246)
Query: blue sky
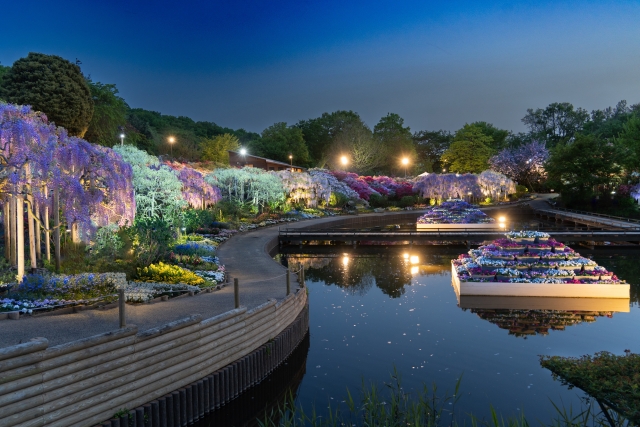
point(253, 63)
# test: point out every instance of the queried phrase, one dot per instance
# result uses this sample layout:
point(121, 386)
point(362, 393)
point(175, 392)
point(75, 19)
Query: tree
point(430, 146)
point(396, 140)
point(355, 141)
point(557, 123)
point(469, 151)
point(319, 133)
point(498, 136)
point(279, 141)
point(524, 163)
point(608, 123)
point(628, 142)
point(3, 70)
point(217, 148)
point(53, 85)
point(577, 168)
point(109, 115)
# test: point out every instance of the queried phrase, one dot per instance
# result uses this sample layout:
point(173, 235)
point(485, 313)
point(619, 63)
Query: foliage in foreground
point(392, 406)
point(166, 273)
point(613, 380)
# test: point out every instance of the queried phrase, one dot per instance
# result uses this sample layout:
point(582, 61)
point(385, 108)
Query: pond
point(376, 308)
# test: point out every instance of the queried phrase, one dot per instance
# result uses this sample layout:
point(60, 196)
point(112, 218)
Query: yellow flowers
point(166, 273)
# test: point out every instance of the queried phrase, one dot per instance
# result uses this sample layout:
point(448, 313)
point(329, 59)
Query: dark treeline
point(572, 135)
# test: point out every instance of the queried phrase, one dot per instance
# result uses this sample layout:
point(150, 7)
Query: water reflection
point(267, 397)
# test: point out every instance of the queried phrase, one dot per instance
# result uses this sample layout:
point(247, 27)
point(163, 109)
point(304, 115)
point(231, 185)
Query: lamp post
point(122, 139)
point(171, 140)
point(291, 161)
point(344, 160)
point(243, 153)
point(405, 162)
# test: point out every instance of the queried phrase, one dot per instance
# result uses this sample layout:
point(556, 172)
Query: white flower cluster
point(213, 276)
point(143, 291)
point(507, 272)
point(546, 280)
point(576, 262)
point(558, 273)
point(527, 234)
point(488, 262)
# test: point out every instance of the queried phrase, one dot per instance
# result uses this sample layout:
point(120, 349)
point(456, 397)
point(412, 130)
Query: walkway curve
point(244, 256)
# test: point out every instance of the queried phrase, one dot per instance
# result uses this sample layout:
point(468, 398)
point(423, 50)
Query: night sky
point(250, 64)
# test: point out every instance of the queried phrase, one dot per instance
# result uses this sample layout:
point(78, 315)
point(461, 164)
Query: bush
point(108, 242)
point(166, 273)
point(338, 199)
point(151, 240)
point(407, 201)
point(198, 218)
point(378, 201)
point(521, 190)
point(194, 248)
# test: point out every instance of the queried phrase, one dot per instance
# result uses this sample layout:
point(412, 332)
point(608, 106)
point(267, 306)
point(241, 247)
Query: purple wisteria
point(524, 164)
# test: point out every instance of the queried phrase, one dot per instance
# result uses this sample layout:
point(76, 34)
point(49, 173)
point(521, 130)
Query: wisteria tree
point(522, 164)
point(197, 192)
point(158, 191)
point(495, 184)
point(440, 187)
point(335, 185)
point(301, 186)
point(248, 185)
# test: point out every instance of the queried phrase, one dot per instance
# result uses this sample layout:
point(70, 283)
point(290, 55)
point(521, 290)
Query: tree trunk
point(7, 228)
point(47, 234)
point(12, 205)
point(20, 236)
point(56, 224)
point(32, 234)
point(75, 233)
point(38, 232)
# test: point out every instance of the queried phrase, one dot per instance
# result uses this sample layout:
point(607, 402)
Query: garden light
point(171, 140)
point(122, 139)
point(344, 160)
point(243, 151)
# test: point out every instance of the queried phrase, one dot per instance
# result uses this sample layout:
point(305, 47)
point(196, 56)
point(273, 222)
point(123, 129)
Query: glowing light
point(405, 256)
point(414, 259)
point(405, 161)
point(502, 219)
point(243, 151)
point(345, 261)
point(122, 135)
point(415, 270)
point(171, 140)
point(344, 160)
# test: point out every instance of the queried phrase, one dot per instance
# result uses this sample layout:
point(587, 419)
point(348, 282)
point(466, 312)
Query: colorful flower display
point(530, 263)
point(455, 212)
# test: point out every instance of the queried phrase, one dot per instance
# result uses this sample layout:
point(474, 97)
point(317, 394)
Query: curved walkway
point(244, 257)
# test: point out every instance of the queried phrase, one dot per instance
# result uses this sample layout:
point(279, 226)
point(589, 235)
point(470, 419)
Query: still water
point(376, 308)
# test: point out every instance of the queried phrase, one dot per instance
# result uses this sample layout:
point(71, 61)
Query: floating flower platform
point(456, 214)
point(539, 267)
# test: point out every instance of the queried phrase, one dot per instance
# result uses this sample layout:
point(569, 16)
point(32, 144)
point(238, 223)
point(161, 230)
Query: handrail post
point(236, 292)
point(288, 282)
point(121, 308)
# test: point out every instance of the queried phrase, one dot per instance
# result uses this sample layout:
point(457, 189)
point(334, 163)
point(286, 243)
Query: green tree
point(430, 146)
point(217, 148)
point(557, 123)
point(53, 85)
point(396, 140)
point(498, 136)
point(356, 141)
point(628, 142)
point(3, 70)
point(578, 168)
point(319, 133)
point(278, 141)
point(469, 152)
point(109, 115)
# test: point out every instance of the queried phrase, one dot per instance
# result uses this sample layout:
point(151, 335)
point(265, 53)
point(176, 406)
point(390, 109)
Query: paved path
point(260, 278)
point(541, 204)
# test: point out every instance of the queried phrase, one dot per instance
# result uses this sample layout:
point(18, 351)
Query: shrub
point(521, 190)
point(194, 248)
point(378, 201)
point(338, 199)
point(198, 218)
point(166, 273)
point(407, 201)
point(107, 241)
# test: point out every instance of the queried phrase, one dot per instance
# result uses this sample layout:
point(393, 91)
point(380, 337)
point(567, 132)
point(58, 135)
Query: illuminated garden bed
point(562, 272)
point(455, 214)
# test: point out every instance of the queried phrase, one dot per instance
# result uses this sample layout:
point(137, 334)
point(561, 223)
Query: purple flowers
point(455, 212)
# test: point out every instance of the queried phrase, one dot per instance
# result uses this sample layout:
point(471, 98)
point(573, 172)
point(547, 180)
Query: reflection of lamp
point(405, 256)
point(414, 270)
point(345, 260)
point(414, 259)
point(502, 222)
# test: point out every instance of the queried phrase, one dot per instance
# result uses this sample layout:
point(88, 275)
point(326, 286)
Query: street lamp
point(171, 140)
point(291, 161)
point(344, 161)
point(122, 139)
point(405, 162)
point(243, 151)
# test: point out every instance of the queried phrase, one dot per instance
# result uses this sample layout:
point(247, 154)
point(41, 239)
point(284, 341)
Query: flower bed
point(455, 212)
point(511, 272)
